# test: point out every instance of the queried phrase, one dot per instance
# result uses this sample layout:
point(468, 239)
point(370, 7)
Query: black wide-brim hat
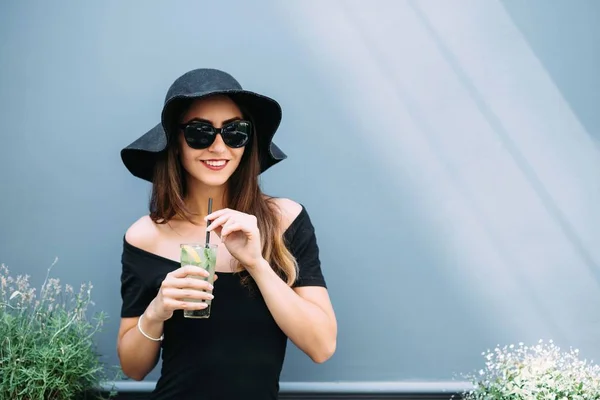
point(265, 113)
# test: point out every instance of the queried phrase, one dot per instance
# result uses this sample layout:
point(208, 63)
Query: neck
point(198, 195)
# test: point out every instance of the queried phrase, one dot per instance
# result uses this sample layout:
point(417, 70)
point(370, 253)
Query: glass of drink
point(203, 256)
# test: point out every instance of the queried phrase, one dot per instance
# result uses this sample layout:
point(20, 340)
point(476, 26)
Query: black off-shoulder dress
point(239, 351)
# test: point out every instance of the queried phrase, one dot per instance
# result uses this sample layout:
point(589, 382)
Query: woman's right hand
point(177, 287)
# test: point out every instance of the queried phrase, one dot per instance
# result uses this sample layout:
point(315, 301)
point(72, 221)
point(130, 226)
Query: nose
point(218, 146)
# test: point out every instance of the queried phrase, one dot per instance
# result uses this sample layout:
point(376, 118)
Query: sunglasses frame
point(217, 131)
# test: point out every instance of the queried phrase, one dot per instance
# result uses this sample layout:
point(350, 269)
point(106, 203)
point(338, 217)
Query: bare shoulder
point(288, 209)
point(143, 233)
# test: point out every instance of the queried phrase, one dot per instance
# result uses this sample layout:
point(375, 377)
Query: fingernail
point(211, 287)
point(210, 296)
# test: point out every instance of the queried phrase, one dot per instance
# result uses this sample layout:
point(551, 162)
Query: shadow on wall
point(498, 161)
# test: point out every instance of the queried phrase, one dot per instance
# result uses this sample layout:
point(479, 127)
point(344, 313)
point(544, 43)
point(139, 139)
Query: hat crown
point(202, 80)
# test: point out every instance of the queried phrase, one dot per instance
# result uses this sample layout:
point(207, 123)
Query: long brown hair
point(243, 193)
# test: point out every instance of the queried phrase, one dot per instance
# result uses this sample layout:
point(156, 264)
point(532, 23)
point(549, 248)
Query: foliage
point(540, 372)
point(47, 350)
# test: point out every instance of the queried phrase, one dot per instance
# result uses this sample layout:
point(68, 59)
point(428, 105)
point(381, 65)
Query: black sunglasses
point(200, 134)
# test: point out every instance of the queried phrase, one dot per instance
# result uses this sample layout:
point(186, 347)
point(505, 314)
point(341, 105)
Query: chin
point(212, 181)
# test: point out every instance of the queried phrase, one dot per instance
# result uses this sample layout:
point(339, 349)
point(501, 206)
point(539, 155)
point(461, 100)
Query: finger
point(183, 294)
point(218, 222)
point(188, 270)
point(232, 227)
point(192, 305)
point(217, 214)
point(215, 277)
point(172, 305)
point(187, 283)
point(194, 270)
point(197, 284)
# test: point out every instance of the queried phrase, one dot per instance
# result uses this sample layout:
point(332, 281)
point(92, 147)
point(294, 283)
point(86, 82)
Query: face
point(215, 164)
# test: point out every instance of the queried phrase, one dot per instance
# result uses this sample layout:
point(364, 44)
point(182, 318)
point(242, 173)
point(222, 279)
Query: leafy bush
point(537, 372)
point(46, 341)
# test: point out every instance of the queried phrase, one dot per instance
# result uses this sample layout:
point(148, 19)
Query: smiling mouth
point(215, 164)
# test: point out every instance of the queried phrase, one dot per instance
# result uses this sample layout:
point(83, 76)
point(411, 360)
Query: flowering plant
point(46, 340)
point(537, 372)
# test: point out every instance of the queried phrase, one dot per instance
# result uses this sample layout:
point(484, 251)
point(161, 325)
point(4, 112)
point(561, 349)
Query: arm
point(138, 355)
point(304, 314)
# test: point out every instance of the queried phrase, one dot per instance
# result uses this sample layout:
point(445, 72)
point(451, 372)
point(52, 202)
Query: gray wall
point(447, 152)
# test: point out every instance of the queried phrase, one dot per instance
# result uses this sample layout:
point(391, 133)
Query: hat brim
point(140, 156)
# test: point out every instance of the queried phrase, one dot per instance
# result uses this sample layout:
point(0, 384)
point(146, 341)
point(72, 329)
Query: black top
point(238, 352)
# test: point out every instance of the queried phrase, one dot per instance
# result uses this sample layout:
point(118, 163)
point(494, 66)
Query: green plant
point(47, 350)
point(540, 372)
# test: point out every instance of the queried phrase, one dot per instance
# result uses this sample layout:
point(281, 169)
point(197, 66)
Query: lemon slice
point(190, 251)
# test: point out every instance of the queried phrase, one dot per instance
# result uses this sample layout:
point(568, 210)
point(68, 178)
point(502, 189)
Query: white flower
point(539, 372)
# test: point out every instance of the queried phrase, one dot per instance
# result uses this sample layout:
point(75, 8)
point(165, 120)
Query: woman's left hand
point(239, 232)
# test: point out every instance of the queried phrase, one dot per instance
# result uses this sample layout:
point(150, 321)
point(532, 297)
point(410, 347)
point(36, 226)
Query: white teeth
point(216, 163)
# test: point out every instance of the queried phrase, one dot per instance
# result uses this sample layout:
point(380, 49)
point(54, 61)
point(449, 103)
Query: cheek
point(186, 156)
point(237, 155)
point(185, 152)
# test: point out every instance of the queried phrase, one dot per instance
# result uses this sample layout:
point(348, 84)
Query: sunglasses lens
point(237, 133)
point(199, 135)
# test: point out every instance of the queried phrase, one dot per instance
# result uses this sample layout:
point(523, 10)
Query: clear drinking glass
point(203, 256)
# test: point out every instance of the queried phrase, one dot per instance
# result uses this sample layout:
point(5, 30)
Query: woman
point(213, 141)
